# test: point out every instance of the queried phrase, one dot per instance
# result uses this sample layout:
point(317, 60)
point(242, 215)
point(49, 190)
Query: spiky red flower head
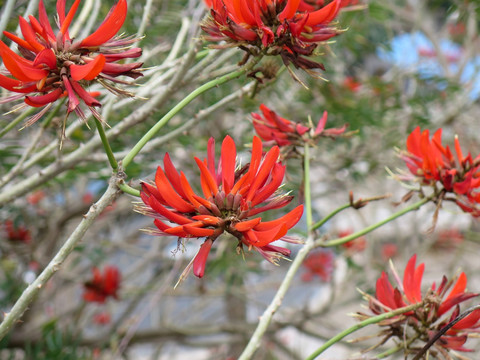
point(231, 202)
point(274, 129)
point(432, 315)
point(272, 27)
point(101, 286)
point(53, 65)
point(434, 165)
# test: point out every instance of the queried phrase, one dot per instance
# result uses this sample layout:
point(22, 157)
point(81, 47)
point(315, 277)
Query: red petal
point(68, 20)
point(47, 57)
point(169, 194)
point(289, 10)
point(19, 41)
point(412, 279)
point(290, 219)
point(162, 210)
point(42, 100)
point(88, 71)
point(19, 67)
point(198, 231)
point(84, 94)
point(201, 258)
point(73, 101)
point(229, 156)
point(172, 175)
point(209, 184)
point(188, 191)
point(459, 286)
point(262, 238)
point(42, 15)
point(247, 225)
point(29, 34)
point(270, 159)
point(277, 175)
point(110, 26)
point(384, 292)
point(15, 85)
point(324, 15)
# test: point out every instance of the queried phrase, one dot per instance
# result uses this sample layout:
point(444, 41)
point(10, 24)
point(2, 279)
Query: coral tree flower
point(432, 316)
point(100, 287)
point(319, 263)
point(434, 165)
point(274, 129)
point(17, 234)
point(52, 65)
point(353, 246)
point(231, 202)
point(273, 27)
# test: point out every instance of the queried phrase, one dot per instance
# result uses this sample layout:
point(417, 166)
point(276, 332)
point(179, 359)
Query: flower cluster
point(434, 165)
point(100, 287)
point(433, 314)
point(231, 202)
point(274, 129)
point(290, 28)
point(53, 65)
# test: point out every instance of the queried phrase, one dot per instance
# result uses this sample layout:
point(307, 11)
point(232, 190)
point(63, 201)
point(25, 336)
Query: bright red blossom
point(435, 165)
point(274, 27)
point(52, 65)
point(100, 287)
point(231, 201)
point(431, 316)
point(274, 129)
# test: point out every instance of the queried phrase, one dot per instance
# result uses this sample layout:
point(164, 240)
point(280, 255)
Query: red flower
point(319, 263)
point(102, 286)
point(448, 239)
point(353, 246)
point(231, 201)
point(435, 165)
point(280, 27)
point(389, 250)
point(274, 129)
point(429, 318)
point(17, 234)
point(351, 84)
point(53, 65)
point(102, 318)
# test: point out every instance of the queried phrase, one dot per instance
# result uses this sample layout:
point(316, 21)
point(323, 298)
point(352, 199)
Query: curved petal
point(88, 71)
point(42, 100)
point(110, 26)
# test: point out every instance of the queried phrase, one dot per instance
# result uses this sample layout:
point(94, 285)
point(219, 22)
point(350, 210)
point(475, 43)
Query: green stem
point(128, 189)
point(397, 348)
point(15, 121)
point(329, 216)
point(166, 118)
point(343, 240)
point(106, 144)
point(307, 190)
point(360, 325)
